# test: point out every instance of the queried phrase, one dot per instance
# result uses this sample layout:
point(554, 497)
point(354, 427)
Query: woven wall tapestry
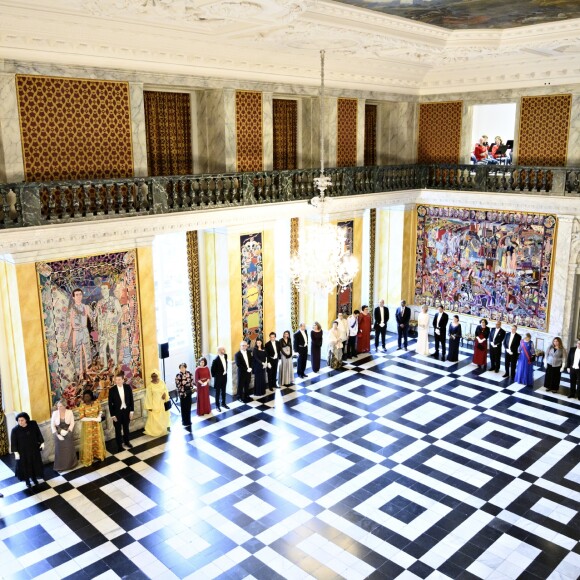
point(439, 132)
point(91, 323)
point(249, 134)
point(370, 135)
point(285, 114)
point(74, 129)
point(344, 298)
point(346, 129)
point(252, 286)
point(489, 264)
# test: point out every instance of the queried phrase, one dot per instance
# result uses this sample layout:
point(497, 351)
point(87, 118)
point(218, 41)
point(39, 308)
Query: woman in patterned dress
point(92, 437)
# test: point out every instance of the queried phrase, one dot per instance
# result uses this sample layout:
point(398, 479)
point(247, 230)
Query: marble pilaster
point(309, 136)
point(574, 133)
point(11, 160)
point(267, 131)
point(211, 132)
point(329, 128)
point(360, 132)
point(138, 134)
point(230, 144)
point(397, 133)
point(466, 146)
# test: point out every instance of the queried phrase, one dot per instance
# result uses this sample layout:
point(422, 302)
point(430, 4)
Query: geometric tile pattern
point(396, 466)
point(346, 132)
point(436, 119)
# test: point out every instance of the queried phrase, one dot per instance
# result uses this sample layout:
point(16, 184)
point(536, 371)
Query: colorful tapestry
point(252, 286)
point(490, 264)
point(439, 132)
point(74, 129)
point(249, 146)
point(346, 132)
point(91, 323)
point(344, 297)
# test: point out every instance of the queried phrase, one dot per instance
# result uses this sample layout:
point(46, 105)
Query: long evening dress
point(258, 362)
point(316, 345)
point(525, 365)
point(480, 348)
point(422, 334)
point(334, 358)
point(65, 455)
point(454, 338)
point(26, 441)
point(203, 403)
point(363, 343)
point(92, 436)
point(286, 377)
point(158, 419)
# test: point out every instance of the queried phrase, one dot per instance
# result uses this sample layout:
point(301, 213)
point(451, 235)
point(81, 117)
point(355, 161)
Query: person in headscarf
point(26, 442)
point(156, 397)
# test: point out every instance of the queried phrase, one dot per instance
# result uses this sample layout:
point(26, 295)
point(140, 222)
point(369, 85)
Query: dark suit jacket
point(496, 336)
point(570, 360)
point(299, 342)
point(403, 317)
point(217, 371)
point(115, 400)
point(486, 332)
point(241, 364)
point(377, 316)
point(515, 343)
point(441, 323)
point(270, 350)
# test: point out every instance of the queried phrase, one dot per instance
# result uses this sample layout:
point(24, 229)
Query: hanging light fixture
point(324, 262)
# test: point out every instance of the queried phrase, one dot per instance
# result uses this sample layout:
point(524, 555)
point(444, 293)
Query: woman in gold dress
point(92, 437)
point(158, 420)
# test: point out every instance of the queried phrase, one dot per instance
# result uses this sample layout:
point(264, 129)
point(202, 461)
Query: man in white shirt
point(343, 329)
point(511, 343)
point(573, 365)
point(272, 348)
point(381, 316)
point(219, 372)
point(121, 408)
point(352, 322)
point(243, 360)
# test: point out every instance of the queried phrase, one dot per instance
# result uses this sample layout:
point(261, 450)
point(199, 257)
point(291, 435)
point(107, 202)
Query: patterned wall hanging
point(346, 130)
point(74, 129)
point(294, 294)
point(91, 323)
point(249, 134)
point(194, 290)
point(344, 298)
point(285, 114)
point(439, 138)
point(489, 264)
point(252, 286)
point(370, 135)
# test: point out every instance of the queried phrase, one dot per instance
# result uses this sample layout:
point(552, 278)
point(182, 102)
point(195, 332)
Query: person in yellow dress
point(158, 420)
point(92, 436)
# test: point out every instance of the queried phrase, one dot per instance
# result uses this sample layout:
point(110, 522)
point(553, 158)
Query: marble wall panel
point(138, 134)
point(574, 134)
point(396, 133)
point(309, 136)
point(211, 129)
point(360, 132)
point(267, 131)
point(10, 137)
point(329, 128)
point(230, 147)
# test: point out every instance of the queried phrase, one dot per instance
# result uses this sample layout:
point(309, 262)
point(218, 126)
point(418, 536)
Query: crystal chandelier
point(324, 262)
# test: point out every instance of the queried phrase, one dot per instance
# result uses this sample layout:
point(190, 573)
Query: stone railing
point(35, 204)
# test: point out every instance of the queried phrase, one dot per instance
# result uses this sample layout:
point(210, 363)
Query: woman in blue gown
point(525, 365)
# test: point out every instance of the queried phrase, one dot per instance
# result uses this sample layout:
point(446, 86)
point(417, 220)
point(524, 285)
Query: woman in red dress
point(202, 378)
point(480, 344)
point(363, 341)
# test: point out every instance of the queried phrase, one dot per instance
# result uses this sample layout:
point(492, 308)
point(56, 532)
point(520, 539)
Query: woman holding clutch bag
point(480, 344)
point(156, 397)
point(62, 426)
point(454, 338)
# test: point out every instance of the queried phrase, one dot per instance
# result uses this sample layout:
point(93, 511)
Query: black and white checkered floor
point(398, 466)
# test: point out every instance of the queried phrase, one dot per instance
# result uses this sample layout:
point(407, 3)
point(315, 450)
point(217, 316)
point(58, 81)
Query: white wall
point(492, 120)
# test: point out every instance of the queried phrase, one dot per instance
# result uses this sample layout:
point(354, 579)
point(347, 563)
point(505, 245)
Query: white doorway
point(494, 121)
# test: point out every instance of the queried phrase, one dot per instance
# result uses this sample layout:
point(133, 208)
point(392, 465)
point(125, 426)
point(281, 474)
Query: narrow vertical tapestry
point(91, 323)
point(492, 264)
point(344, 298)
point(252, 286)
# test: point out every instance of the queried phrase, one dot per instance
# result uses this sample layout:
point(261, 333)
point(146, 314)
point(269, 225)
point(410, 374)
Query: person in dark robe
point(259, 365)
point(480, 344)
point(454, 333)
point(316, 346)
point(26, 442)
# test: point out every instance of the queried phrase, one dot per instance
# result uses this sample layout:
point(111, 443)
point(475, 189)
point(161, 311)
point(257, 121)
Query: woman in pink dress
point(363, 341)
point(202, 378)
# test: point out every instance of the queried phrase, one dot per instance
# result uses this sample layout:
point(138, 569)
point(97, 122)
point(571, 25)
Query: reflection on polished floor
point(398, 466)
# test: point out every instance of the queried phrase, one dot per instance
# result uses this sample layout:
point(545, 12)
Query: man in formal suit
point(496, 337)
point(403, 316)
point(243, 360)
point(440, 331)
point(121, 408)
point(352, 322)
point(573, 366)
point(301, 347)
point(511, 343)
point(219, 372)
point(272, 349)
point(381, 317)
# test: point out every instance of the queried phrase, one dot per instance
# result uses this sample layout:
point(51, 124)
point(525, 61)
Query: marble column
point(329, 129)
point(138, 134)
point(309, 121)
point(466, 146)
point(360, 132)
point(397, 133)
point(573, 159)
point(231, 160)
point(11, 160)
point(267, 132)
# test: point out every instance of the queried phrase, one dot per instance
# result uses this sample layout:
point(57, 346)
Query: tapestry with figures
point(493, 264)
point(91, 323)
point(252, 286)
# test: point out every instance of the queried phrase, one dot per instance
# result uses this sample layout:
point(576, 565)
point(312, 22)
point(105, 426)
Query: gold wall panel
point(346, 133)
point(249, 133)
point(439, 138)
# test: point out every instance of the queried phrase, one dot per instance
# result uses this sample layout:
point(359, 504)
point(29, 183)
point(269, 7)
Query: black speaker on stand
point(163, 354)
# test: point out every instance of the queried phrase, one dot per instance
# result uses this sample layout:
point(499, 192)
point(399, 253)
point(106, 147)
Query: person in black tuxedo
point(496, 337)
point(403, 316)
point(440, 331)
point(272, 349)
point(301, 347)
point(121, 408)
point(381, 317)
point(244, 361)
point(511, 343)
point(219, 372)
point(573, 366)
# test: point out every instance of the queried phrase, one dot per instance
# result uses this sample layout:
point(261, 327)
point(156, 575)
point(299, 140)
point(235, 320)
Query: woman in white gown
point(423, 332)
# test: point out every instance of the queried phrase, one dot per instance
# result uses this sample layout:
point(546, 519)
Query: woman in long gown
point(26, 442)
point(158, 419)
point(92, 436)
point(525, 364)
point(62, 426)
point(554, 360)
point(316, 346)
point(480, 344)
point(454, 338)
point(363, 343)
point(334, 358)
point(286, 377)
point(202, 377)
point(259, 367)
point(422, 346)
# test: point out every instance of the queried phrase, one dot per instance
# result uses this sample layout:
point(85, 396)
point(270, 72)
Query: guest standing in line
point(301, 347)
point(496, 338)
point(26, 442)
point(554, 363)
point(219, 372)
point(184, 385)
point(454, 339)
point(403, 316)
point(92, 446)
point(62, 426)
point(363, 342)
point(202, 378)
point(352, 332)
point(480, 344)
point(343, 328)
point(573, 366)
point(156, 395)
point(259, 367)
point(334, 358)
point(440, 331)
point(422, 346)
point(381, 317)
point(121, 409)
point(511, 343)
point(286, 367)
point(525, 366)
point(272, 349)
point(243, 359)
point(316, 337)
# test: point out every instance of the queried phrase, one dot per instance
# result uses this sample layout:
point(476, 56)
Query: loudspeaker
point(164, 350)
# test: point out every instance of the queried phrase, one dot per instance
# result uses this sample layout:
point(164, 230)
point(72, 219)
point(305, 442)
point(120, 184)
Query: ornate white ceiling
point(278, 41)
